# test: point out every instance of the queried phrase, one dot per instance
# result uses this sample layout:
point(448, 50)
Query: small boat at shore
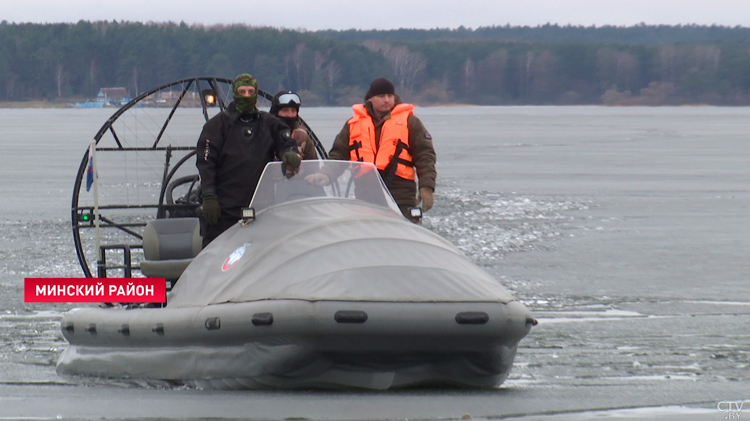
point(319, 286)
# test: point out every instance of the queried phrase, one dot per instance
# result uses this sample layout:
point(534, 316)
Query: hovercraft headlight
point(209, 97)
point(415, 214)
point(248, 215)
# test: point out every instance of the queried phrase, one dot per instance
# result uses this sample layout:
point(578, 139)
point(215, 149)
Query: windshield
point(322, 179)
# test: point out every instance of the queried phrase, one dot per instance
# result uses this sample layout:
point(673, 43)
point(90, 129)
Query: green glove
point(211, 209)
point(290, 163)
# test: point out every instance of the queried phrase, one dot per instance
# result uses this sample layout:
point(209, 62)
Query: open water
point(626, 231)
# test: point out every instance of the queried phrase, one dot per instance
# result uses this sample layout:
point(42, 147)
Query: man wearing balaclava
point(285, 105)
point(386, 132)
point(233, 149)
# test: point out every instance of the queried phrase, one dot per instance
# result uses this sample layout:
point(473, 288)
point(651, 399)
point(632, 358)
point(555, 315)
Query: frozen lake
point(624, 230)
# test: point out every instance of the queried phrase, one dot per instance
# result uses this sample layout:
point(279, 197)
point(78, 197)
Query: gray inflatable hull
point(295, 344)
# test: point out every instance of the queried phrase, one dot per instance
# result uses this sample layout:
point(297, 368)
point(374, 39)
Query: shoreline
point(33, 104)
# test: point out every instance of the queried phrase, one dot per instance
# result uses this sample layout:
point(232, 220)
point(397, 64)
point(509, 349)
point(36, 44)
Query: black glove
point(290, 163)
point(211, 209)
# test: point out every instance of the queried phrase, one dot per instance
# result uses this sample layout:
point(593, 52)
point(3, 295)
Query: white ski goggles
point(289, 98)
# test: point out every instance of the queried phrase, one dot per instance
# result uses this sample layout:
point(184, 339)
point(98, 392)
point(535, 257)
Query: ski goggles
point(289, 99)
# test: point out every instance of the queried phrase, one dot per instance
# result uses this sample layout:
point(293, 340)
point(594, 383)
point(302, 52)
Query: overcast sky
point(384, 14)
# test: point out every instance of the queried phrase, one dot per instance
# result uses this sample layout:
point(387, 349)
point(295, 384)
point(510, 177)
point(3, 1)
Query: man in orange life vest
point(386, 132)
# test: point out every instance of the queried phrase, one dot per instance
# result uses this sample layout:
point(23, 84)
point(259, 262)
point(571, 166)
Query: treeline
point(648, 65)
point(552, 33)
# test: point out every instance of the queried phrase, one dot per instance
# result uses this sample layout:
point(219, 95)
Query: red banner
point(95, 290)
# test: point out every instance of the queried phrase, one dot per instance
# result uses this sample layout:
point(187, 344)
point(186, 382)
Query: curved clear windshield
point(322, 179)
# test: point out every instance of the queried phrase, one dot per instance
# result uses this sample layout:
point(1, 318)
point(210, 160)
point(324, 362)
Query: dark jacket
point(232, 152)
point(404, 191)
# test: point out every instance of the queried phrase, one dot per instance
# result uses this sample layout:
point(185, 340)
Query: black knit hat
point(380, 86)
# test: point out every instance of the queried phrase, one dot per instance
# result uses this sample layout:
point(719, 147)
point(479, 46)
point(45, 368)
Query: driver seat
point(169, 245)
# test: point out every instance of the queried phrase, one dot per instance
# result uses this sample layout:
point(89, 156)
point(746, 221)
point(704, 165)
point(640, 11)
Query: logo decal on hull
point(234, 258)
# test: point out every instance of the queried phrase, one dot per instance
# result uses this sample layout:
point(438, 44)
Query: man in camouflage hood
point(233, 149)
point(245, 104)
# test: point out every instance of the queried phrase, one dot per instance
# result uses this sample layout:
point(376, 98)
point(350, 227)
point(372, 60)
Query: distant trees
point(405, 64)
point(552, 33)
point(497, 65)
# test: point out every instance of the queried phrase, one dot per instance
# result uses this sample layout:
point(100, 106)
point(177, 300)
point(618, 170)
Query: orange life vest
point(392, 156)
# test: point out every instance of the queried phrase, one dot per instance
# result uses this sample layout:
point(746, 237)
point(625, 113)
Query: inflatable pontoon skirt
point(299, 344)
